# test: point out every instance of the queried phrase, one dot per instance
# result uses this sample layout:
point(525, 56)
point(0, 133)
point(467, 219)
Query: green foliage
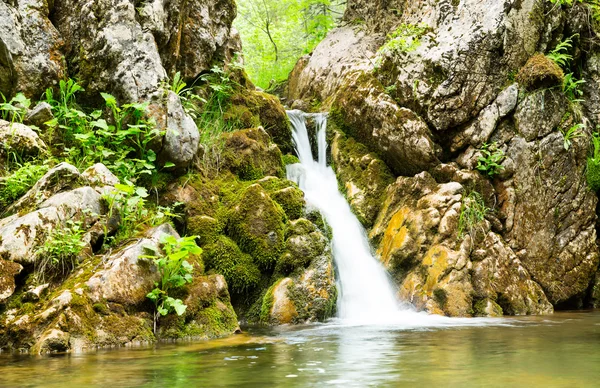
point(571, 133)
point(15, 109)
point(404, 39)
point(19, 182)
point(593, 165)
point(472, 214)
point(175, 272)
point(119, 140)
point(211, 123)
point(572, 88)
point(59, 253)
point(129, 204)
point(490, 159)
point(277, 33)
point(560, 54)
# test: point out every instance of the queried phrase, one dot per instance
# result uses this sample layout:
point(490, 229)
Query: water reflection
point(562, 350)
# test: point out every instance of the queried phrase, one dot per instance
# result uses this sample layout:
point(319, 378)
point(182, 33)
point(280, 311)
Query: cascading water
point(366, 294)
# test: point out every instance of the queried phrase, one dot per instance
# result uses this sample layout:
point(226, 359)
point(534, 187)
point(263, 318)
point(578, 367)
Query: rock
point(33, 294)
point(251, 155)
point(182, 138)
point(30, 49)
point(365, 177)
point(283, 310)
point(52, 341)
point(126, 277)
point(552, 224)
point(20, 139)
point(365, 111)
point(58, 178)
point(416, 235)
point(99, 175)
point(256, 224)
point(8, 271)
point(291, 200)
point(540, 113)
point(209, 313)
point(20, 237)
point(39, 115)
point(309, 293)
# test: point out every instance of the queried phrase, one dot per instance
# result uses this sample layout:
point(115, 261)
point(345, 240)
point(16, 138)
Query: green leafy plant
point(593, 164)
point(572, 88)
point(19, 182)
point(129, 204)
point(15, 109)
point(175, 272)
point(60, 252)
point(560, 54)
point(490, 159)
point(472, 214)
point(571, 133)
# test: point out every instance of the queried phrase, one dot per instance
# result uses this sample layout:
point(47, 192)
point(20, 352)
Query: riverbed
point(562, 350)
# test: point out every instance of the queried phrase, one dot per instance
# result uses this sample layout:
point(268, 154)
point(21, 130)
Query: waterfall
point(366, 295)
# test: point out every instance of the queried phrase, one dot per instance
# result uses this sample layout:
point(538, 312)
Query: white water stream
point(366, 294)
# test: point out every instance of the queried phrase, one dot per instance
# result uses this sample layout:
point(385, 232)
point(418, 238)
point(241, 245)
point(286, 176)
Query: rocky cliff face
point(429, 87)
point(265, 258)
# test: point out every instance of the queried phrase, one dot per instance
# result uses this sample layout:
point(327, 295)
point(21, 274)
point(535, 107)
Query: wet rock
point(365, 177)
point(52, 341)
point(443, 265)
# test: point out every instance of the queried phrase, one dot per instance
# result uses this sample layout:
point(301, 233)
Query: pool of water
point(562, 350)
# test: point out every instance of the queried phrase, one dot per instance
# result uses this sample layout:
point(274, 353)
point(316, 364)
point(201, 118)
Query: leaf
point(178, 306)
point(169, 164)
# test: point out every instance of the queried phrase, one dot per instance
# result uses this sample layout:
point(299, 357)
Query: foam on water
point(366, 294)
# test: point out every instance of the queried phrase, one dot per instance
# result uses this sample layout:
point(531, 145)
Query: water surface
point(562, 350)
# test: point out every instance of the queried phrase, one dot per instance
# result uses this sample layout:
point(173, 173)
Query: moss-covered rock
point(223, 256)
point(291, 200)
point(540, 72)
point(365, 177)
point(250, 154)
point(250, 108)
point(256, 224)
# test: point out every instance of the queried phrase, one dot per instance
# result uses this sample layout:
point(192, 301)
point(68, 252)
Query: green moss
point(267, 304)
point(206, 228)
point(540, 72)
point(256, 224)
point(215, 321)
point(593, 174)
point(101, 308)
point(291, 200)
point(268, 111)
point(249, 155)
point(480, 308)
point(290, 159)
point(225, 257)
